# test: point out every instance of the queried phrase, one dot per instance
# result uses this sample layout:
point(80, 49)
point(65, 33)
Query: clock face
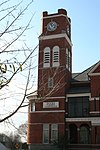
point(51, 26)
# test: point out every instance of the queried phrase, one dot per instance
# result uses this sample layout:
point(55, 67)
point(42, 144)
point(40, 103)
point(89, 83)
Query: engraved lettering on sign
point(50, 104)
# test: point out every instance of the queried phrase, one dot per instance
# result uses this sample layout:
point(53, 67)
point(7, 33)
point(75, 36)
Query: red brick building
point(66, 103)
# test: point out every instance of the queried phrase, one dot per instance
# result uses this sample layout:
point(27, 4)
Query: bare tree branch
point(15, 111)
point(10, 64)
point(8, 81)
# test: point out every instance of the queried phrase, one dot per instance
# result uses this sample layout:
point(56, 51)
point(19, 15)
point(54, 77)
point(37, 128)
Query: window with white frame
point(68, 59)
point(46, 62)
point(45, 133)
point(68, 30)
point(54, 132)
point(55, 59)
point(32, 106)
point(50, 82)
point(47, 128)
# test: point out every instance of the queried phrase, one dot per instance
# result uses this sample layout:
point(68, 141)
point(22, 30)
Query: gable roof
point(83, 76)
point(95, 70)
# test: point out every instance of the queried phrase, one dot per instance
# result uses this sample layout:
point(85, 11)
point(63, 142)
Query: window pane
point(55, 56)
point(46, 127)
point(84, 135)
point(54, 127)
point(46, 57)
point(67, 57)
point(46, 137)
point(78, 106)
point(54, 132)
point(86, 106)
point(46, 133)
point(32, 107)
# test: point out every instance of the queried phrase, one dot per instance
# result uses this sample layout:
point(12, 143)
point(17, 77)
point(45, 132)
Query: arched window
point(55, 59)
point(46, 62)
point(69, 62)
point(68, 59)
point(84, 134)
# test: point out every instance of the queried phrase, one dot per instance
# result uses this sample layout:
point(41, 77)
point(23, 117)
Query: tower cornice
point(56, 36)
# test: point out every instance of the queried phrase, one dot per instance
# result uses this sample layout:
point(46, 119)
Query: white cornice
point(59, 97)
point(56, 36)
point(44, 122)
point(94, 120)
point(92, 73)
point(36, 98)
point(49, 111)
point(78, 95)
point(94, 112)
point(77, 119)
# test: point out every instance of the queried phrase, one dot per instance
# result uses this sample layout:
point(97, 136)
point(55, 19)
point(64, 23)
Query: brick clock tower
point(46, 119)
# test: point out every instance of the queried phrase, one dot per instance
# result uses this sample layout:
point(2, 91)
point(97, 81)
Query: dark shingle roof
point(77, 79)
point(83, 76)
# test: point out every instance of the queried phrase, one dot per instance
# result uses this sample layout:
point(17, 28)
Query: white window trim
point(54, 129)
point(69, 61)
point(55, 56)
point(67, 58)
point(77, 95)
point(46, 57)
point(32, 107)
point(43, 133)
